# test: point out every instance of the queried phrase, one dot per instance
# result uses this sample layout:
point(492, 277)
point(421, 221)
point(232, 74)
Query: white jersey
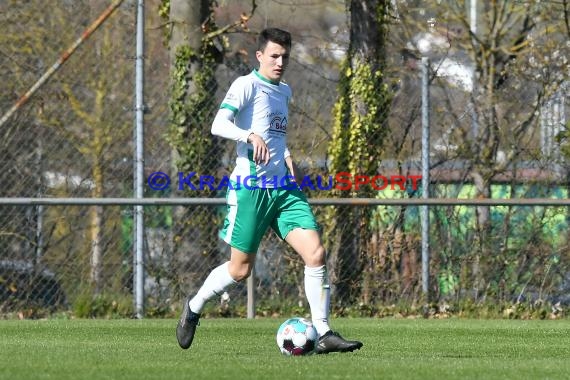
point(260, 106)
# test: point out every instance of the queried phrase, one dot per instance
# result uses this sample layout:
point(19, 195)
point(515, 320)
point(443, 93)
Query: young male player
point(254, 113)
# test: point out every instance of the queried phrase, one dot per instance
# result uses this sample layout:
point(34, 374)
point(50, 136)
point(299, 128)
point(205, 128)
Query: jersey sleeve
point(224, 126)
point(239, 94)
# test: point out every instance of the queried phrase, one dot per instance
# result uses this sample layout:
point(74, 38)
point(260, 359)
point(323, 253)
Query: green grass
point(246, 349)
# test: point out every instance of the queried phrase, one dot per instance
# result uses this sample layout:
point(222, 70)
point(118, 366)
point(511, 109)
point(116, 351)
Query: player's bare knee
point(240, 273)
point(316, 257)
point(241, 276)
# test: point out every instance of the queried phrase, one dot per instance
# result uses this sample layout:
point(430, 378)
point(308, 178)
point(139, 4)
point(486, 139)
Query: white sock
point(318, 294)
point(216, 283)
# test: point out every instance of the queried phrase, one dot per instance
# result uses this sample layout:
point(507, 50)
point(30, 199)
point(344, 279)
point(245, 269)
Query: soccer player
point(254, 113)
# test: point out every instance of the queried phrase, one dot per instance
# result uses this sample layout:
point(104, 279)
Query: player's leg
point(307, 243)
point(243, 229)
point(296, 223)
point(218, 281)
point(223, 277)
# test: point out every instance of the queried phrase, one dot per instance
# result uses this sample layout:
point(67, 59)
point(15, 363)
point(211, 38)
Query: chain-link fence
point(74, 138)
point(528, 262)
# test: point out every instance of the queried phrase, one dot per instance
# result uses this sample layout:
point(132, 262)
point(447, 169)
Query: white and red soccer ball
point(297, 336)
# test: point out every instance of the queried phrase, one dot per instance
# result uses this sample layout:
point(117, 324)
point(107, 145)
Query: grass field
point(246, 349)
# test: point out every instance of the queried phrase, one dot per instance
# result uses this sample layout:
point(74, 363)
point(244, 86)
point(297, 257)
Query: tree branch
point(242, 22)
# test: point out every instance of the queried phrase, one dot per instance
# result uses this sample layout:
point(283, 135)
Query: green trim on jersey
point(229, 107)
point(252, 168)
point(257, 74)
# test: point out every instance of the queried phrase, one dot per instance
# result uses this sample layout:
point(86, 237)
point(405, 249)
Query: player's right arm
point(239, 95)
point(224, 126)
point(260, 149)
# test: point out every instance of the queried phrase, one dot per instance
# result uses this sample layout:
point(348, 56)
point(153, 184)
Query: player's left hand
point(294, 170)
point(260, 149)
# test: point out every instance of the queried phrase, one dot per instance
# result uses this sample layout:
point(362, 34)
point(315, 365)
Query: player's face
point(273, 61)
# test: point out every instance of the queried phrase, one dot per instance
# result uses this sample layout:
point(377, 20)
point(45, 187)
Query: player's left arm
point(293, 168)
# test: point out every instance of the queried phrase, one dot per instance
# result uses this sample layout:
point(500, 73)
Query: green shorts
point(252, 211)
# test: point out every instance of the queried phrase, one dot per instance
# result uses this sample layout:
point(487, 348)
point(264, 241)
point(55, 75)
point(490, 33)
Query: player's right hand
point(260, 150)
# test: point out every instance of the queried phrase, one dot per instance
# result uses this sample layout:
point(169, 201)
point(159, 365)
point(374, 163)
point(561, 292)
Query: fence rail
point(313, 201)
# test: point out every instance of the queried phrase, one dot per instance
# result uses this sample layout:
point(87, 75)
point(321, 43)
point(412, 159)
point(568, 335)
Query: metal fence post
point(251, 295)
point(425, 176)
point(474, 116)
point(139, 162)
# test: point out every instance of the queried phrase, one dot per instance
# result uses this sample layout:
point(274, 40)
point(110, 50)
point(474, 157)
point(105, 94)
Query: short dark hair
point(275, 35)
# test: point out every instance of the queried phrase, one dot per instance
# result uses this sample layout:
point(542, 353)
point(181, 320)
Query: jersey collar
point(257, 74)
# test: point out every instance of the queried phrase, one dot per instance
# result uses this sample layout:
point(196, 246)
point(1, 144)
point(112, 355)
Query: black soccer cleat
point(333, 342)
point(187, 326)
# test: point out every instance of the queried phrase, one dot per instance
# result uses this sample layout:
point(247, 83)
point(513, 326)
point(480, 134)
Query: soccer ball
point(296, 336)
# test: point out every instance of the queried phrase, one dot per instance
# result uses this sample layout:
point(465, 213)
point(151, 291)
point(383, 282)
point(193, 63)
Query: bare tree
point(490, 82)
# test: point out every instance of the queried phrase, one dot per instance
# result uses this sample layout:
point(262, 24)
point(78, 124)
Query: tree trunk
point(96, 229)
point(97, 170)
point(186, 17)
point(96, 212)
point(481, 249)
point(358, 133)
point(192, 106)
